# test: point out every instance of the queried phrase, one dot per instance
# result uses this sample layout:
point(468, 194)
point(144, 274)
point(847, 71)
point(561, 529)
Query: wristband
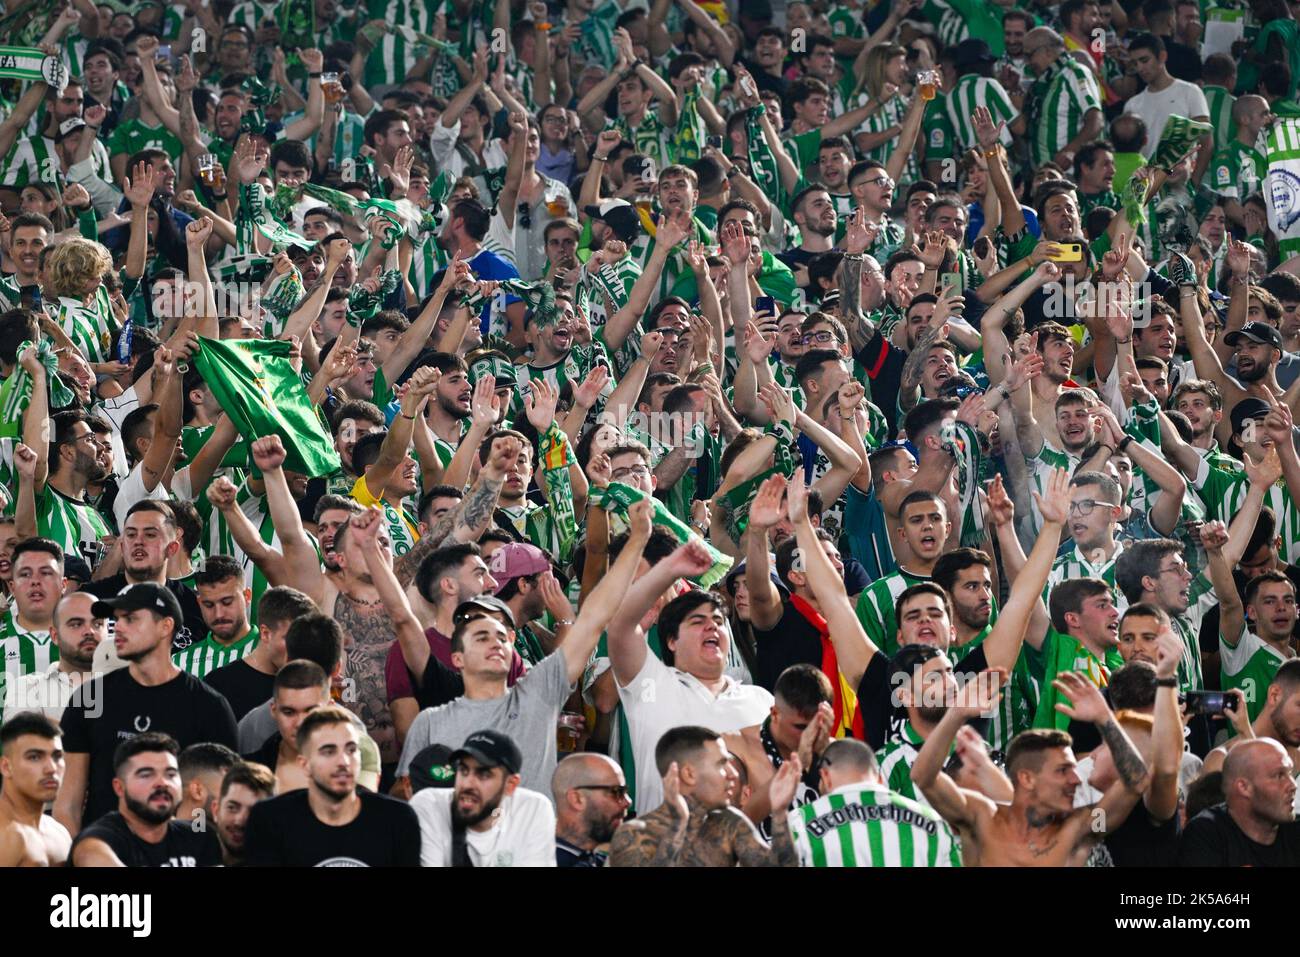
point(991, 154)
point(1105, 445)
point(563, 621)
point(1123, 443)
point(600, 159)
point(1171, 682)
point(313, 76)
point(1124, 342)
point(405, 416)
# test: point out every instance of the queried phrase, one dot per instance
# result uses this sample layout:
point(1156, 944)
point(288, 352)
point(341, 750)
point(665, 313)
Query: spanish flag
point(848, 719)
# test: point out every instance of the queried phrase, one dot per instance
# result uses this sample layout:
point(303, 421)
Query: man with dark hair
point(1094, 172)
point(150, 694)
point(77, 633)
point(1084, 639)
point(31, 767)
point(803, 722)
point(36, 569)
point(1164, 96)
point(1040, 826)
point(248, 681)
point(1278, 720)
point(859, 822)
point(462, 237)
point(202, 767)
point(1139, 627)
point(223, 600)
point(696, 825)
point(331, 822)
point(142, 831)
point(1250, 662)
point(65, 468)
point(243, 786)
point(149, 540)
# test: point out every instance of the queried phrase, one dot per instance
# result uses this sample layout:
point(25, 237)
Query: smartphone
point(765, 305)
point(715, 142)
point(949, 281)
point(1210, 702)
point(747, 85)
point(1070, 253)
point(164, 52)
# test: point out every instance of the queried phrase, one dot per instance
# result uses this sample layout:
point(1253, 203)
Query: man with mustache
point(486, 819)
point(591, 801)
point(331, 822)
point(31, 765)
point(65, 467)
point(76, 633)
point(223, 600)
point(142, 831)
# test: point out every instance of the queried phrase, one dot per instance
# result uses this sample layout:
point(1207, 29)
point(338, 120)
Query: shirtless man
point(1279, 719)
point(31, 763)
point(1041, 827)
point(696, 826)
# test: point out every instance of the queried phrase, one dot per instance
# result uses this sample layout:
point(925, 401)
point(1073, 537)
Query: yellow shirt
point(400, 529)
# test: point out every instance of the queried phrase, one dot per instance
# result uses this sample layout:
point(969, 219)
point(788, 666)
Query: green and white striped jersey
point(8, 477)
point(868, 825)
point(652, 136)
point(890, 115)
point(1220, 102)
point(252, 13)
point(972, 91)
point(90, 327)
point(896, 759)
point(25, 652)
point(1041, 467)
point(1250, 664)
point(1224, 493)
point(348, 136)
point(209, 654)
point(76, 526)
point(1201, 598)
point(34, 160)
point(1069, 93)
point(1077, 565)
point(876, 608)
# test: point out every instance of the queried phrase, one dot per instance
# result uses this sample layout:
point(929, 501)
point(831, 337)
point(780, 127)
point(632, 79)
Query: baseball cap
point(970, 52)
point(619, 215)
point(491, 749)
point(516, 560)
point(1248, 409)
point(431, 768)
point(1255, 332)
point(488, 603)
point(729, 583)
point(69, 126)
point(143, 595)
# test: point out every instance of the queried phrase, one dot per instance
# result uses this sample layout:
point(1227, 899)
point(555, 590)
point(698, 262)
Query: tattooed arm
point(850, 285)
point(909, 391)
point(464, 523)
point(653, 841)
point(748, 846)
point(1085, 703)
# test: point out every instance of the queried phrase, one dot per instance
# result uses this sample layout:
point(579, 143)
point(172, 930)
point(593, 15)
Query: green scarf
point(619, 498)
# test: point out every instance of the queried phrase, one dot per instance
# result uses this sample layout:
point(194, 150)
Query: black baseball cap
point(970, 52)
point(1250, 409)
point(1255, 332)
point(144, 595)
point(488, 603)
point(619, 215)
point(431, 768)
point(491, 749)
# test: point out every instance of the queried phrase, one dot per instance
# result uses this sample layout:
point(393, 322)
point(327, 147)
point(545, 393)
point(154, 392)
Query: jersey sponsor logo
point(838, 817)
point(936, 138)
point(342, 862)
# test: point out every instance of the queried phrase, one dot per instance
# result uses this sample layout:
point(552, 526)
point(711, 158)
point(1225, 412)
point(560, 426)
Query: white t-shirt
point(132, 490)
point(1180, 98)
point(660, 698)
point(523, 835)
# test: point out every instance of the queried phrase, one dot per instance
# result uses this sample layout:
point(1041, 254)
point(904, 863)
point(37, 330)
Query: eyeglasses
point(629, 472)
point(884, 182)
point(616, 791)
point(825, 335)
point(1086, 505)
point(1180, 569)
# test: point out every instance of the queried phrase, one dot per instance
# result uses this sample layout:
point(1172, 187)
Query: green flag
point(257, 387)
point(1177, 139)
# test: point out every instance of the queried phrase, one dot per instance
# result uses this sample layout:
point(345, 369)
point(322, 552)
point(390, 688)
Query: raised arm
point(302, 564)
point(765, 608)
point(853, 649)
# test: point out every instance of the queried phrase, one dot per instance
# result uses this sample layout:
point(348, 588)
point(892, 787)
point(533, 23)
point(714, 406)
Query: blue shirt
point(488, 265)
point(976, 213)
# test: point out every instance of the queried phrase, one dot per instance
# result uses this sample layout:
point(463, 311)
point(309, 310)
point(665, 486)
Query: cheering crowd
point(674, 433)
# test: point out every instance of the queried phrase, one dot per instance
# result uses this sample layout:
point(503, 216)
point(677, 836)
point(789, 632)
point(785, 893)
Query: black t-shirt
point(1139, 842)
point(284, 832)
point(884, 364)
point(875, 698)
point(117, 708)
point(268, 754)
point(181, 847)
point(1213, 839)
point(242, 685)
point(192, 630)
point(440, 685)
point(794, 641)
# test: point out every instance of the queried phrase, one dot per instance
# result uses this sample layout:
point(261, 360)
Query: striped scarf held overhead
point(1282, 186)
point(16, 393)
point(618, 498)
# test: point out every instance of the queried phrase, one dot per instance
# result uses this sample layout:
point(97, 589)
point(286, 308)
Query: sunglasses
point(615, 790)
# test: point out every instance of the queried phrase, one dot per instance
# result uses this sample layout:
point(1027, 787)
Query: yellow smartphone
point(1070, 253)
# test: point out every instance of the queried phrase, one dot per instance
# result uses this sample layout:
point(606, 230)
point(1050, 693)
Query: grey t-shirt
point(256, 728)
point(528, 713)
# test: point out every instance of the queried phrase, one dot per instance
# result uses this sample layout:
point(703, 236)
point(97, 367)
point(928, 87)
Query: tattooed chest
point(369, 636)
